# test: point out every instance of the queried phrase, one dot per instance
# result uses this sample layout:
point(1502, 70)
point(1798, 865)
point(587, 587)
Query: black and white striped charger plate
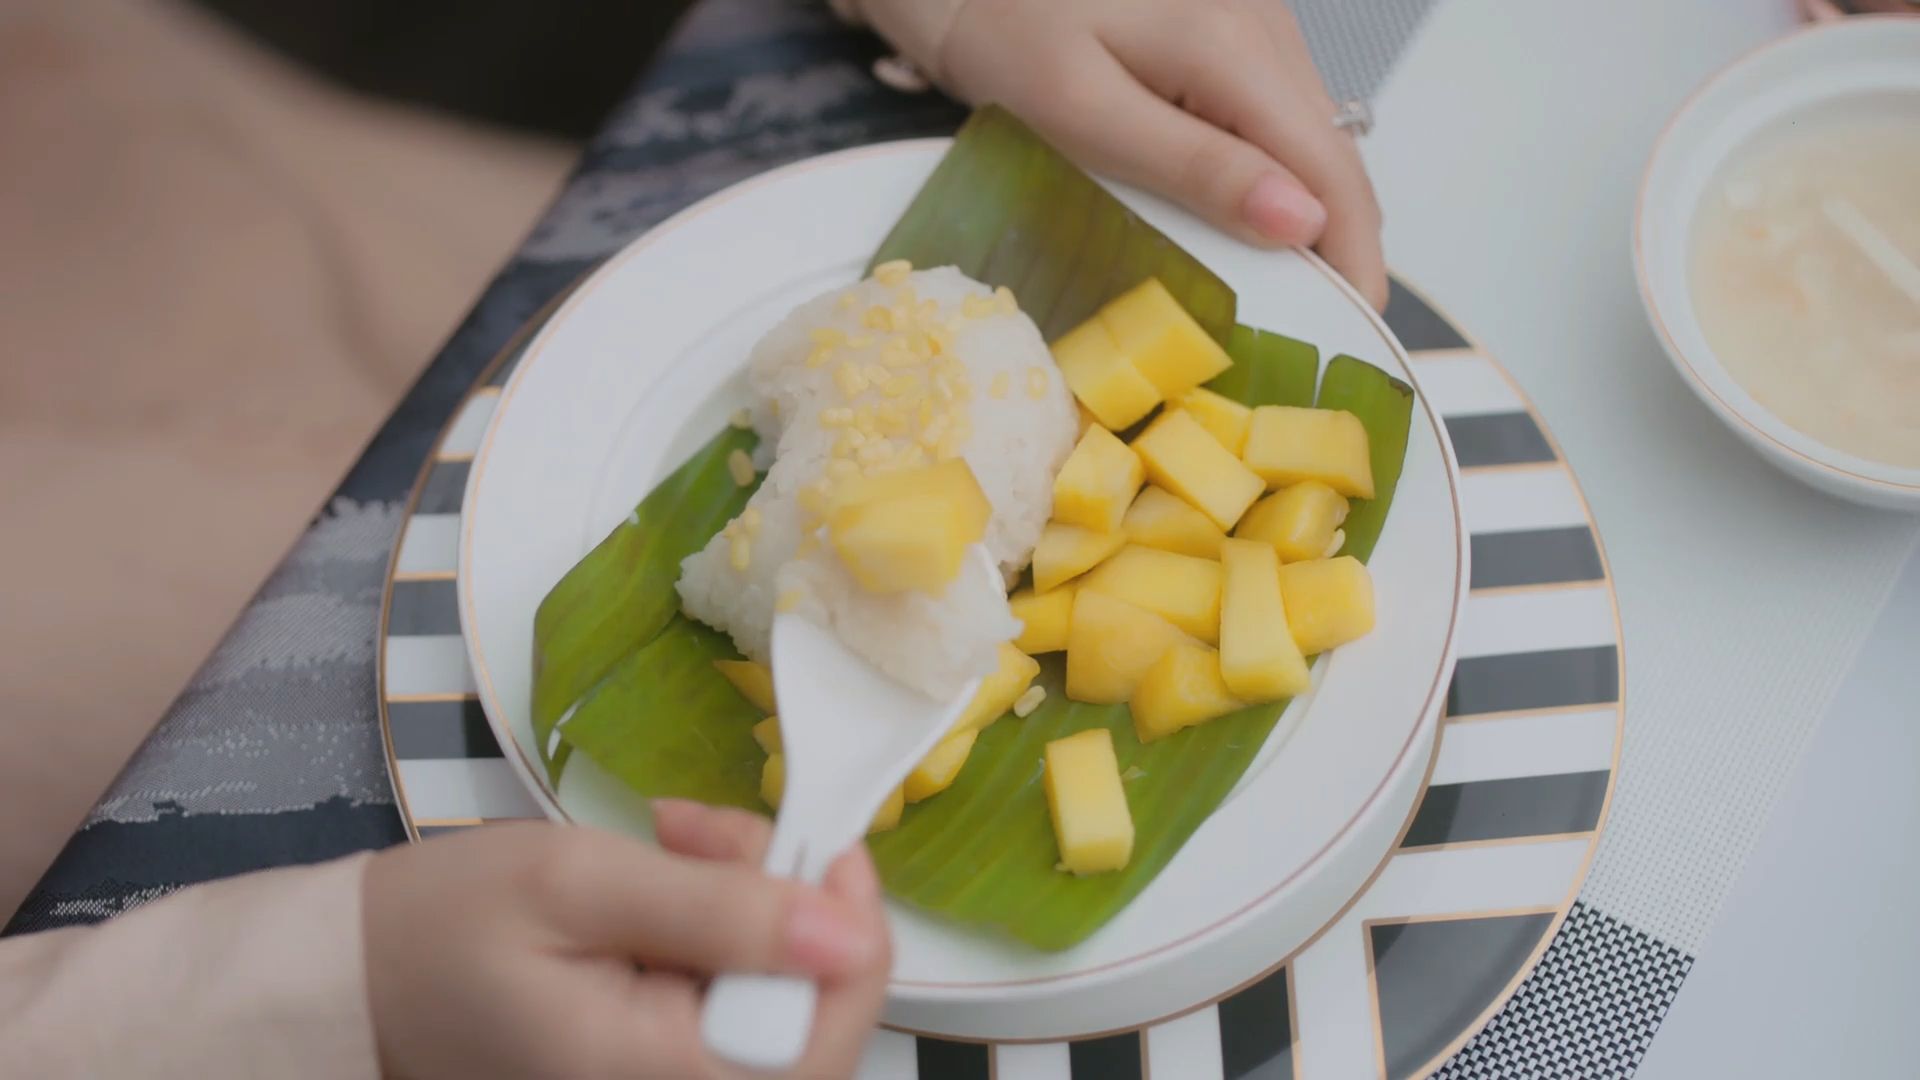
point(1486, 870)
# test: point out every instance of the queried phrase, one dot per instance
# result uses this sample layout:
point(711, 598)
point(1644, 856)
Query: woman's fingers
point(718, 833)
point(1352, 244)
point(844, 1022)
point(616, 894)
point(1245, 68)
point(643, 1025)
point(852, 878)
point(848, 1002)
point(1327, 157)
point(702, 906)
point(1100, 115)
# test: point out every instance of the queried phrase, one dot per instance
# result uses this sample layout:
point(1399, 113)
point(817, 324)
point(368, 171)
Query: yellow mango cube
point(1088, 803)
point(907, 530)
point(937, 771)
point(1160, 519)
point(1180, 456)
point(752, 679)
point(1287, 445)
point(1162, 340)
point(1298, 521)
point(1224, 418)
point(1259, 660)
point(999, 690)
point(1329, 602)
point(773, 780)
point(1067, 551)
point(1181, 689)
point(1101, 377)
point(1082, 419)
point(1181, 589)
point(1094, 487)
point(888, 816)
point(1110, 645)
point(1043, 618)
point(767, 734)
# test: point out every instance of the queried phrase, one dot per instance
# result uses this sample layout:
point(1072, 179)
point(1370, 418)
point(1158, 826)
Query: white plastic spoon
point(850, 736)
point(1874, 246)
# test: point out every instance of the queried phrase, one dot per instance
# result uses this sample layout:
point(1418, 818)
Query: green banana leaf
point(1008, 209)
point(652, 710)
point(1268, 368)
point(621, 595)
point(1385, 405)
point(981, 853)
point(665, 721)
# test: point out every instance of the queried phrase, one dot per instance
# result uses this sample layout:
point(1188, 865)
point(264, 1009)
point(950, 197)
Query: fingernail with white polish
point(1281, 210)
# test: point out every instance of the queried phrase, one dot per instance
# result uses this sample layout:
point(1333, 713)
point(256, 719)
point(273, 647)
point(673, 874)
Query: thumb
point(606, 892)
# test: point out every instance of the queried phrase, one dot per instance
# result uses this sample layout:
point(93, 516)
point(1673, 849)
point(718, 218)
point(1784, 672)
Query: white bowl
point(643, 363)
point(1826, 69)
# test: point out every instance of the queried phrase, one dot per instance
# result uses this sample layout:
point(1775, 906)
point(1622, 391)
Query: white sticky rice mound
point(1018, 442)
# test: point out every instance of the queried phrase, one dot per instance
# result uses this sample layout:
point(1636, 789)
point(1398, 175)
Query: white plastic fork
point(850, 735)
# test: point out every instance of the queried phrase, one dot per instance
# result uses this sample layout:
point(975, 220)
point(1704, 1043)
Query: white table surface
point(1810, 970)
point(1806, 967)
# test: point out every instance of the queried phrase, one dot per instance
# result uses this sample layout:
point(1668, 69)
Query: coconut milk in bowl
point(1777, 244)
point(1805, 277)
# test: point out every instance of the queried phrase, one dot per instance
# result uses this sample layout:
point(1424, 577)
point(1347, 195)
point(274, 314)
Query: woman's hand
point(1215, 103)
point(549, 951)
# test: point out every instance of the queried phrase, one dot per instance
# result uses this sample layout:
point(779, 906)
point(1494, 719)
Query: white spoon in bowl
point(850, 736)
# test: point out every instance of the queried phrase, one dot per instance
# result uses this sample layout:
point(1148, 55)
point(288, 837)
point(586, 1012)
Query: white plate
point(644, 363)
point(1828, 70)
